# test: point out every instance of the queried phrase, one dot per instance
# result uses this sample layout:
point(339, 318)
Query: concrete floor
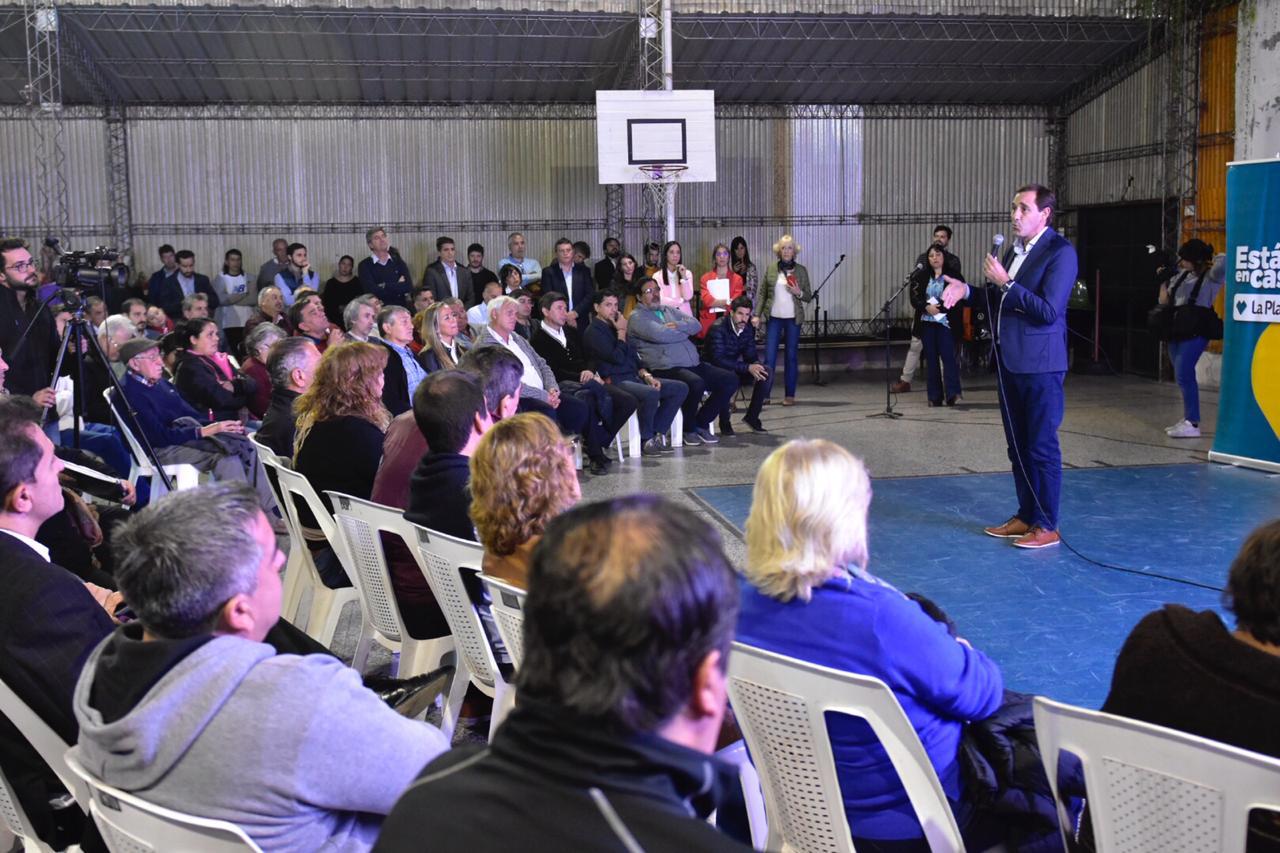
point(1110, 421)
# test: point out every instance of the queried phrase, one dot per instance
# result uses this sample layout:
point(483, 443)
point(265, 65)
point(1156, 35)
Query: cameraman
point(31, 364)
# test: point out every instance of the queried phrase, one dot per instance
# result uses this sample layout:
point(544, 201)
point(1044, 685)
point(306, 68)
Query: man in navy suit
point(1028, 295)
point(181, 283)
point(573, 280)
point(448, 279)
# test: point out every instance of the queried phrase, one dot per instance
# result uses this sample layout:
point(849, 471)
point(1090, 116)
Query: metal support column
point(614, 210)
point(1182, 118)
point(44, 96)
point(656, 72)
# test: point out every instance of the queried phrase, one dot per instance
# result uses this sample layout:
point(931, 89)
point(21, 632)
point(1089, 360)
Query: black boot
point(410, 696)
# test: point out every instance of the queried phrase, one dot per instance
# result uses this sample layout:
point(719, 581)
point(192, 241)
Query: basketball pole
point(668, 83)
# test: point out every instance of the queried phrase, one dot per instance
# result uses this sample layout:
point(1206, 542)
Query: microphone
point(919, 266)
point(997, 241)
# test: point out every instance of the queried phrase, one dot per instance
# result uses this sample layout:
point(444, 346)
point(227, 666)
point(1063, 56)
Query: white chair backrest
point(507, 606)
point(443, 559)
point(132, 825)
point(1152, 788)
point(358, 523)
point(265, 453)
point(293, 484)
point(14, 818)
point(51, 747)
point(135, 447)
point(780, 703)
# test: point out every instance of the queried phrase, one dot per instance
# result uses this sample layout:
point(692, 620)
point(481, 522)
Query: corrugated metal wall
point(870, 189)
point(85, 146)
point(1113, 142)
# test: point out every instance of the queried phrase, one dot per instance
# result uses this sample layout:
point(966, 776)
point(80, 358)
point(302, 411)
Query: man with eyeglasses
point(31, 364)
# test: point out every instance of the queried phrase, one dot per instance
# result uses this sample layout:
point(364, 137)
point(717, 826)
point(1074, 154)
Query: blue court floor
point(1052, 620)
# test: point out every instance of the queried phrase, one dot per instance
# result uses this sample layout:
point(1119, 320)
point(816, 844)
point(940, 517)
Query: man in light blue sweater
point(190, 710)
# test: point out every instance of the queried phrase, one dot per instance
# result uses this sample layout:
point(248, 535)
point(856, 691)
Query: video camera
point(88, 270)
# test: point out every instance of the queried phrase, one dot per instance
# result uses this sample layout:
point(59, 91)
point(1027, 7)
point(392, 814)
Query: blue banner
point(1248, 430)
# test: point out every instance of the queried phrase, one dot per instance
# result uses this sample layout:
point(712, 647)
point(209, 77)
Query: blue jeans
point(939, 346)
point(104, 442)
point(656, 408)
point(791, 360)
point(1184, 355)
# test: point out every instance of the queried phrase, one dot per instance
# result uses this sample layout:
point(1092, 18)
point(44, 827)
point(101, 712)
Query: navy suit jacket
point(169, 296)
point(583, 287)
point(436, 280)
point(1031, 325)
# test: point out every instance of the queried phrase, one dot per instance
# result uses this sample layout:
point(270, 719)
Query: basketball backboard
point(637, 128)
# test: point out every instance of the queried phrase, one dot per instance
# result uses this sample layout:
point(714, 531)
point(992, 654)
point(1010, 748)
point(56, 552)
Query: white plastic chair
point(130, 824)
point(326, 604)
point(780, 703)
point(443, 559)
point(184, 476)
point(298, 552)
point(359, 523)
point(1152, 788)
point(634, 444)
point(13, 817)
point(51, 747)
point(507, 606)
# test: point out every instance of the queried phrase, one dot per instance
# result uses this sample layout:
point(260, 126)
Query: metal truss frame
point(1182, 117)
point(976, 29)
point(44, 99)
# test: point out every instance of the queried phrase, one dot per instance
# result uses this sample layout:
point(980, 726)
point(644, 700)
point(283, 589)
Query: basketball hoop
point(660, 184)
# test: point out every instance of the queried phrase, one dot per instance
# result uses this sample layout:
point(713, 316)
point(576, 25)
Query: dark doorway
point(1113, 242)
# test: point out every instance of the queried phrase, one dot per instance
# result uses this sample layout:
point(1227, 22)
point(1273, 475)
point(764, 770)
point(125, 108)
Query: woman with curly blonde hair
point(808, 595)
point(341, 427)
point(522, 476)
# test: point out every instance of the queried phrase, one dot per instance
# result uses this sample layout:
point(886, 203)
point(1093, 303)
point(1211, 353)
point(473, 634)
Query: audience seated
point(469, 333)
point(522, 476)
point(136, 311)
point(158, 323)
point(807, 594)
point(358, 317)
point(307, 319)
point(257, 348)
point(443, 346)
point(49, 618)
point(403, 371)
point(627, 626)
point(660, 334)
point(560, 345)
point(341, 419)
point(524, 298)
point(191, 710)
point(178, 433)
point(731, 345)
point(292, 365)
point(478, 314)
point(657, 400)
point(271, 309)
point(205, 377)
point(539, 391)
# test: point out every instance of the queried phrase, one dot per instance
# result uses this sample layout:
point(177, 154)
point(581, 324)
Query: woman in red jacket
point(710, 309)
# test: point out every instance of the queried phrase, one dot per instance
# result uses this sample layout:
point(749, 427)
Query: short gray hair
point(385, 315)
point(189, 301)
point(259, 335)
point(285, 357)
point(183, 557)
point(114, 325)
point(353, 308)
point(270, 288)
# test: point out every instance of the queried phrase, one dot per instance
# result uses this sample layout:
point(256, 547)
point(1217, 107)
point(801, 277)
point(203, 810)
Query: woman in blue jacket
point(807, 594)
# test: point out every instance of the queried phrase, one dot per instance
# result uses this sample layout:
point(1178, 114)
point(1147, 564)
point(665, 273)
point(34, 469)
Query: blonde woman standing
point(783, 292)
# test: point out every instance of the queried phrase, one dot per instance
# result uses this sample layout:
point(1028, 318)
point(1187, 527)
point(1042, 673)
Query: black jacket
point(31, 366)
point(197, 380)
point(395, 384)
point(604, 271)
point(49, 623)
point(169, 295)
point(920, 281)
point(732, 350)
point(279, 422)
point(436, 280)
point(562, 784)
point(438, 495)
point(566, 362)
point(583, 287)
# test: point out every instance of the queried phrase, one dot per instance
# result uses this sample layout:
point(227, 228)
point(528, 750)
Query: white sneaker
point(1178, 425)
point(1186, 429)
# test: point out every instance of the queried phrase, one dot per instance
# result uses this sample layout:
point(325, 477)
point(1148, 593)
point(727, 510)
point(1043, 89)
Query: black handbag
point(1191, 320)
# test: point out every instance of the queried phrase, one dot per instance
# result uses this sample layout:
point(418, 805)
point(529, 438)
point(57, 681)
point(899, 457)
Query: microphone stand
point(817, 323)
point(888, 369)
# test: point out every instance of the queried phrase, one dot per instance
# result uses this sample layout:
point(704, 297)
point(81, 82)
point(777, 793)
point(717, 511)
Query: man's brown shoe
point(900, 387)
point(1011, 529)
point(1038, 537)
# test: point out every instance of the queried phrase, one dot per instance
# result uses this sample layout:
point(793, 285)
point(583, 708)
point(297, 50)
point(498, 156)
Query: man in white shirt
point(478, 315)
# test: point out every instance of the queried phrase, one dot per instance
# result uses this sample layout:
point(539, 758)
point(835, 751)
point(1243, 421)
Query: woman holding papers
point(718, 288)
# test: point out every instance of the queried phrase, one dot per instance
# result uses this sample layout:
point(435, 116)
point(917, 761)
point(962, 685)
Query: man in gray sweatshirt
point(187, 707)
point(660, 335)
